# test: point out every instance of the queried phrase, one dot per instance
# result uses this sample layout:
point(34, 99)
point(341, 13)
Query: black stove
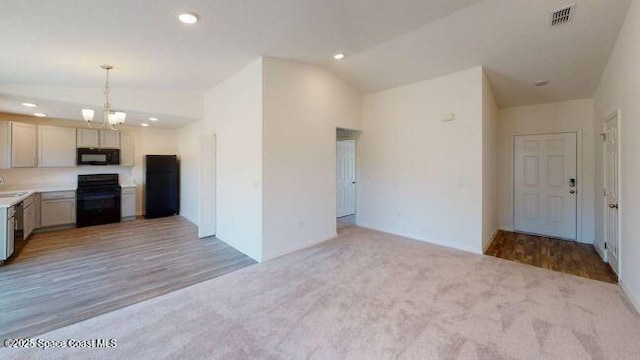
point(98, 199)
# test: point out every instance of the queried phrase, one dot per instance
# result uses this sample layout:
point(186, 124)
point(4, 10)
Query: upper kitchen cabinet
point(88, 138)
point(126, 149)
point(56, 146)
point(23, 145)
point(5, 145)
point(109, 139)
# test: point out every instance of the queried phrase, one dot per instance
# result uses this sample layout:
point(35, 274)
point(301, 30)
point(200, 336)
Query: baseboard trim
point(629, 296)
point(300, 246)
point(418, 238)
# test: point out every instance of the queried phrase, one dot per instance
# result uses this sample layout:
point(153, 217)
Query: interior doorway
point(546, 185)
point(346, 155)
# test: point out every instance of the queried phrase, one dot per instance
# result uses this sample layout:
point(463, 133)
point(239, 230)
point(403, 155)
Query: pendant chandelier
point(111, 119)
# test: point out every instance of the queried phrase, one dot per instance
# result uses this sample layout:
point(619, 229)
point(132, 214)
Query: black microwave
point(94, 156)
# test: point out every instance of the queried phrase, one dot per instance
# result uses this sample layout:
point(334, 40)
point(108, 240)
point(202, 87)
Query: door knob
point(572, 192)
point(613, 206)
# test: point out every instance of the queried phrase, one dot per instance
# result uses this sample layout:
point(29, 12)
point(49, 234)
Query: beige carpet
point(369, 295)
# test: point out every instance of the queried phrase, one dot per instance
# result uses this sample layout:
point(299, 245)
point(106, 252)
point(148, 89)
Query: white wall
point(303, 106)
point(418, 176)
point(490, 222)
point(188, 150)
point(549, 118)
point(620, 88)
point(146, 141)
point(232, 111)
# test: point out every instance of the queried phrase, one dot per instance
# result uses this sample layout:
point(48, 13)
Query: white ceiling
point(10, 103)
point(60, 44)
point(512, 39)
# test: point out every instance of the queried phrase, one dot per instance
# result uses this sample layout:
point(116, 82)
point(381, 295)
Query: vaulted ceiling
point(52, 50)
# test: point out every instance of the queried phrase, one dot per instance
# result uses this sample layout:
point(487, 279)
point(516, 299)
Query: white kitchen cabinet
point(128, 202)
point(36, 208)
point(88, 138)
point(126, 149)
point(5, 145)
point(57, 208)
point(109, 139)
point(56, 146)
point(29, 219)
point(23, 145)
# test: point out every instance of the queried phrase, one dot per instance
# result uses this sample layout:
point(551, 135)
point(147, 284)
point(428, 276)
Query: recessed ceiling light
point(28, 104)
point(153, 119)
point(188, 18)
point(338, 56)
point(542, 83)
point(144, 124)
point(39, 114)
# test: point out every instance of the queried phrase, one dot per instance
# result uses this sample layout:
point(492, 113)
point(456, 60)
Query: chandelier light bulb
point(87, 114)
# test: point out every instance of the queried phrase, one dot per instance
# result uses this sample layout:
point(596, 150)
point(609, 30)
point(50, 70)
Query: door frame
point(355, 176)
point(579, 174)
point(615, 114)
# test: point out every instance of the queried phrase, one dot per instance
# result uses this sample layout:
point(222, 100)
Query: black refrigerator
point(162, 186)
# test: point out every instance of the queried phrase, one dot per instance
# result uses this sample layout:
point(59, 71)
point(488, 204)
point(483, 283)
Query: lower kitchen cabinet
point(128, 203)
point(29, 216)
point(57, 208)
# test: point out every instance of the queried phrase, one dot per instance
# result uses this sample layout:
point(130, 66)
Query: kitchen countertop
point(30, 189)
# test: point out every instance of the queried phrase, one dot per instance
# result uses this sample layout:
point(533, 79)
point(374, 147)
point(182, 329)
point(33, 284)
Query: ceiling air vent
point(562, 16)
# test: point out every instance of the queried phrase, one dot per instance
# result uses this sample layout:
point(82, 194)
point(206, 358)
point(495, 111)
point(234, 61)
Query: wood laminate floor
point(554, 254)
point(63, 277)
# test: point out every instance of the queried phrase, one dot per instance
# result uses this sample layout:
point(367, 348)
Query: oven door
point(94, 207)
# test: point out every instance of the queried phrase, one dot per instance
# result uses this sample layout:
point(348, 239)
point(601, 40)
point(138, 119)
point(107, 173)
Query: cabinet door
point(5, 145)
point(109, 139)
point(88, 138)
point(36, 209)
point(128, 206)
point(56, 146)
point(29, 218)
point(9, 247)
point(23, 145)
point(126, 149)
point(57, 212)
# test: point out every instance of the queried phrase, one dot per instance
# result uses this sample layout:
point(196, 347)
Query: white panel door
point(346, 177)
point(611, 190)
point(545, 188)
point(56, 146)
point(207, 187)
